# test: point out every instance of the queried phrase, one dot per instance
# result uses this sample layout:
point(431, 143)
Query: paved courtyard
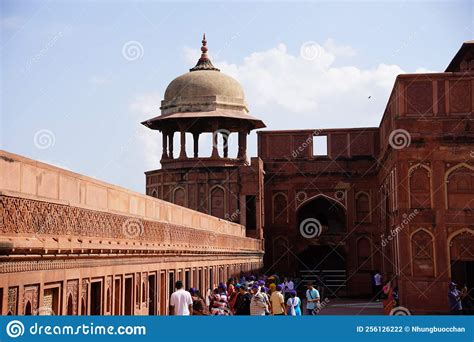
point(343, 307)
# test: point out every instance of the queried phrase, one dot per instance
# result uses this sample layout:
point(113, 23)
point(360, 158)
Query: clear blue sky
point(63, 69)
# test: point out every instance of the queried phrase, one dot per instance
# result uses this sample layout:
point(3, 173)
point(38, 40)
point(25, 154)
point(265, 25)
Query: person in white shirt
point(181, 302)
point(258, 303)
point(313, 300)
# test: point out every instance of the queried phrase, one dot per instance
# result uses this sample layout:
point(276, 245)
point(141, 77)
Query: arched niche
point(422, 253)
point(280, 208)
point(217, 201)
point(179, 196)
point(363, 207)
point(459, 181)
point(420, 186)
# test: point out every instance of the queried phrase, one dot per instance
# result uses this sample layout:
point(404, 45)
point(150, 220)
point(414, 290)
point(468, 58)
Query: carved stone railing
point(34, 225)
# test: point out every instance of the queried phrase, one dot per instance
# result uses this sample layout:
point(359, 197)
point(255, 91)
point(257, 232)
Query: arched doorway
point(28, 309)
point(461, 248)
point(321, 253)
point(70, 305)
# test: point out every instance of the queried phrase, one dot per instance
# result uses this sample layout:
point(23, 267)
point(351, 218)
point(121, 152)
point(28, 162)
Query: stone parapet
point(37, 227)
point(36, 181)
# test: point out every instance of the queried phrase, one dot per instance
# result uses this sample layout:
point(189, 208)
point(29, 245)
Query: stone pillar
point(170, 137)
point(196, 144)
point(225, 139)
point(182, 153)
point(242, 145)
point(215, 153)
point(164, 155)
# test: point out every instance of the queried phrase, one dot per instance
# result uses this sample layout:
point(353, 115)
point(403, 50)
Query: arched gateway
point(461, 251)
point(320, 247)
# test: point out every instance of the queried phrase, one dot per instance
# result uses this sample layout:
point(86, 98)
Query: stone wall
point(72, 245)
point(426, 185)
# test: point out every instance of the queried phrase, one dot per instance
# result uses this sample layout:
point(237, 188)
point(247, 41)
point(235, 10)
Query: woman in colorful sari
point(389, 301)
point(220, 303)
point(232, 296)
point(293, 304)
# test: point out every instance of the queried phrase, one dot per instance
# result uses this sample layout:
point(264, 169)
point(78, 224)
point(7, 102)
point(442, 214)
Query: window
point(320, 145)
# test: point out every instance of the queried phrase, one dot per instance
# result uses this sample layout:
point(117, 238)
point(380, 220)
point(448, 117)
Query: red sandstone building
point(398, 198)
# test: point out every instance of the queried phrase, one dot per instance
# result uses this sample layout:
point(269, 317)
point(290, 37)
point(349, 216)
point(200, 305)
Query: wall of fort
point(71, 244)
point(428, 142)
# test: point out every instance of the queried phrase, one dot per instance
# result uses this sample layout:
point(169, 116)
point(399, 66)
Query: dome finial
point(204, 63)
point(203, 47)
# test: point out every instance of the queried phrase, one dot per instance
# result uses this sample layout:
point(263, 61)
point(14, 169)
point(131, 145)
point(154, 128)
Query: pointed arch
point(70, 305)
point(154, 193)
point(455, 167)
point(280, 208)
point(363, 206)
point(329, 214)
point(459, 186)
point(331, 199)
point(217, 201)
point(281, 240)
point(455, 235)
point(27, 310)
point(459, 249)
point(419, 187)
point(179, 196)
point(422, 253)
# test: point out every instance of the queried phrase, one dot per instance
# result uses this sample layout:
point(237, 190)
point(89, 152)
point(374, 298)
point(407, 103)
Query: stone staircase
point(334, 280)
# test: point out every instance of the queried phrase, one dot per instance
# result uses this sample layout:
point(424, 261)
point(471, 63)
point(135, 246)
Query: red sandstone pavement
point(342, 307)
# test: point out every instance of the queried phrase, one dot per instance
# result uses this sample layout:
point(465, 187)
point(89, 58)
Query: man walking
point(181, 302)
point(258, 304)
point(312, 300)
point(278, 302)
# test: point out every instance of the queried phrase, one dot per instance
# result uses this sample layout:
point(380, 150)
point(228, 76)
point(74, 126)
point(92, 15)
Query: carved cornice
point(55, 263)
point(37, 227)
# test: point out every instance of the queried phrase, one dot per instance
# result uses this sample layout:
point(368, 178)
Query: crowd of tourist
point(261, 295)
point(248, 295)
